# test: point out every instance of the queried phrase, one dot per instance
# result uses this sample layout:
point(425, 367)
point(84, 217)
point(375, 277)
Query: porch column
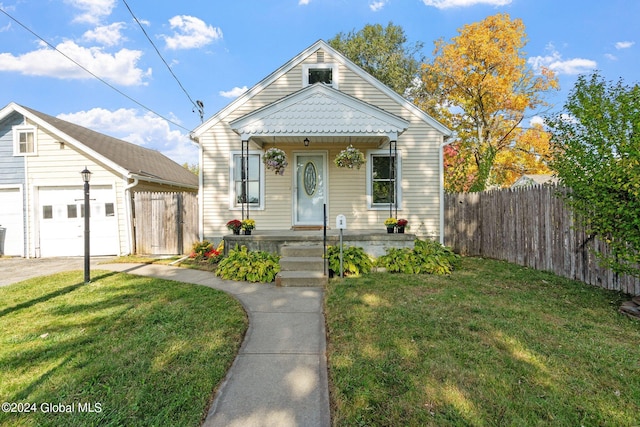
point(244, 171)
point(393, 161)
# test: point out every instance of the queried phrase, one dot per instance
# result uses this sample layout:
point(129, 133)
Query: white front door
point(310, 189)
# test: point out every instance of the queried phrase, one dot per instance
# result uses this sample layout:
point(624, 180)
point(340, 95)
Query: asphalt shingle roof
point(135, 159)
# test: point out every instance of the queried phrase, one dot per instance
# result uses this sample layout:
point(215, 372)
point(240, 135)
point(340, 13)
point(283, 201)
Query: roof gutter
point(138, 177)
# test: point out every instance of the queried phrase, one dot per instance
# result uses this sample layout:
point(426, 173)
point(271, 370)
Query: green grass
point(493, 344)
point(148, 351)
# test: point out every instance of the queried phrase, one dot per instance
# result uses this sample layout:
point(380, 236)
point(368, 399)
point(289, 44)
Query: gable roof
point(535, 179)
point(340, 58)
point(319, 110)
point(128, 159)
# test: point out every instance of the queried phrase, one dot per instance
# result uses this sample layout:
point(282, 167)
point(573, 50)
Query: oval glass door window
point(310, 178)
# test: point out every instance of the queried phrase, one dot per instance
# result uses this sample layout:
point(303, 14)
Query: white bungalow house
point(41, 188)
point(313, 107)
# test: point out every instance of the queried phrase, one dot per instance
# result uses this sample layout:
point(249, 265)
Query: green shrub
point(355, 260)
point(251, 266)
point(427, 256)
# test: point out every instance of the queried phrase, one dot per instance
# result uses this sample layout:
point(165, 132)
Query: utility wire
point(91, 73)
point(198, 105)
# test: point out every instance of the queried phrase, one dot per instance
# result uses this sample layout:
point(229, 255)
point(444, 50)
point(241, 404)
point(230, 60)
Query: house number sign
point(310, 178)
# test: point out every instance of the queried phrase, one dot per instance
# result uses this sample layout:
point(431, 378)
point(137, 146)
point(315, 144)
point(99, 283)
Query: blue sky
point(217, 49)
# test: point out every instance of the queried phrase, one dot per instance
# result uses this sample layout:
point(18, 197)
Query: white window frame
point(17, 130)
point(232, 190)
point(334, 73)
point(383, 206)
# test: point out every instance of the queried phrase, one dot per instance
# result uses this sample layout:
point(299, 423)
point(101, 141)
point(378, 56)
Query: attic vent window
point(323, 75)
point(320, 73)
point(320, 57)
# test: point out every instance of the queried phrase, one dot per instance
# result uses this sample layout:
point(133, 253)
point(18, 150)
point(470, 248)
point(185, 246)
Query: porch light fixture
point(86, 177)
point(306, 142)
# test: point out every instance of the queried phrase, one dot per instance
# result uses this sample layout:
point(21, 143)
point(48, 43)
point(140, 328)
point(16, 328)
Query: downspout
point(446, 140)
point(129, 207)
point(28, 206)
point(200, 187)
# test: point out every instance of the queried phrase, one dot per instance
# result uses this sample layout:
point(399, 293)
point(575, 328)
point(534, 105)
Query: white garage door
point(62, 221)
point(12, 220)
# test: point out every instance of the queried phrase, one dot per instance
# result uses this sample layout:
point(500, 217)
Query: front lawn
point(134, 350)
point(492, 344)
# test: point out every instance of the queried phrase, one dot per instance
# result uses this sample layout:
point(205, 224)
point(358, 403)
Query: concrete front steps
point(301, 265)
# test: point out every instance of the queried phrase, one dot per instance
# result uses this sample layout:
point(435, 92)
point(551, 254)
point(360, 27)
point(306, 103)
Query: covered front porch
point(308, 130)
point(374, 242)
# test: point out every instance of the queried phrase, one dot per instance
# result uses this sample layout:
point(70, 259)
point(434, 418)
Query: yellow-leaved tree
point(480, 86)
point(529, 153)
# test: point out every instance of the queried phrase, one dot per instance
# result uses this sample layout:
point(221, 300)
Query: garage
point(12, 220)
point(61, 221)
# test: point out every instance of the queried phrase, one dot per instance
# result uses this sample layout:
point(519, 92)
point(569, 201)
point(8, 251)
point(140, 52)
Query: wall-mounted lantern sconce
point(306, 142)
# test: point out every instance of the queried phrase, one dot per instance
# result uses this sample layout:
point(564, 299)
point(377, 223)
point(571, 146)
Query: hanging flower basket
point(350, 157)
point(276, 160)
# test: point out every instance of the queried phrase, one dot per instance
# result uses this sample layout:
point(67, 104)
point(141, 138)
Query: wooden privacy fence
point(531, 227)
point(165, 223)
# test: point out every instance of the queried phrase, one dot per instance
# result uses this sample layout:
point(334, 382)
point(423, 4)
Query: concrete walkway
point(279, 377)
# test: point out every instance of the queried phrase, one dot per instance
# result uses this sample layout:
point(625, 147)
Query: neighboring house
point(313, 107)
point(41, 189)
point(534, 179)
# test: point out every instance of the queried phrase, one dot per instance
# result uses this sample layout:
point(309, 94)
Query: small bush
point(204, 251)
point(355, 260)
point(251, 266)
point(427, 256)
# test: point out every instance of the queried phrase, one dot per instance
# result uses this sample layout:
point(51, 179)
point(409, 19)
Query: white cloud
point(120, 67)
point(131, 125)
point(304, 2)
point(610, 57)
point(233, 93)
point(536, 120)
point(106, 35)
point(446, 4)
point(377, 5)
point(6, 27)
point(190, 32)
point(92, 10)
point(624, 45)
point(555, 62)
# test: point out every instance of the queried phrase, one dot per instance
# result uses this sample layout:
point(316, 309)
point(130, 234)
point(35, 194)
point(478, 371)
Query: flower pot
point(236, 231)
point(401, 230)
point(390, 230)
point(247, 232)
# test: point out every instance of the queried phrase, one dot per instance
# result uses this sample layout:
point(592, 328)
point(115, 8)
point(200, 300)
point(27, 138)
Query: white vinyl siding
point(419, 181)
point(58, 165)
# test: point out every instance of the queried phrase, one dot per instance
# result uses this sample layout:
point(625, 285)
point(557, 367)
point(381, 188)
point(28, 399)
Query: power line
point(91, 73)
point(198, 105)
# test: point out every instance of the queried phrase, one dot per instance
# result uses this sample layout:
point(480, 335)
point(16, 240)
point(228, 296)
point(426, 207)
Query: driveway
point(13, 270)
